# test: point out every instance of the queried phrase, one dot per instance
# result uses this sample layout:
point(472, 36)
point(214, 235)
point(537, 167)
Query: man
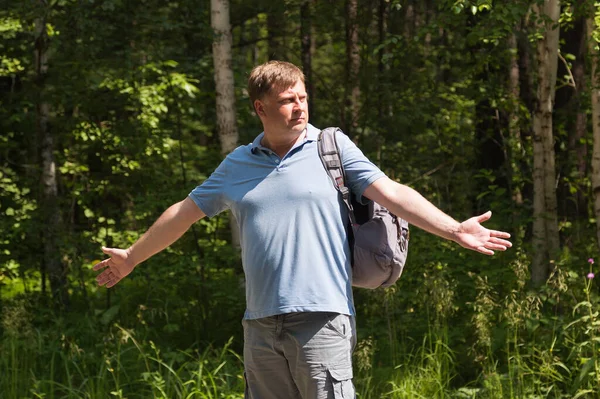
point(299, 329)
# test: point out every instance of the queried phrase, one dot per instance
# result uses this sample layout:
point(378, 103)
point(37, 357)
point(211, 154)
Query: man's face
point(284, 112)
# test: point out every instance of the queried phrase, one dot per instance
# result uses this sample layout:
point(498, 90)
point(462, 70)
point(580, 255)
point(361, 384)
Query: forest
point(112, 110)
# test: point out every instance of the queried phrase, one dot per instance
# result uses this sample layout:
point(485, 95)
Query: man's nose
point(297, 104)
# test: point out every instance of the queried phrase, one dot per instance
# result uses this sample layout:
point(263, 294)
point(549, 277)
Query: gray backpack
point(378, 239)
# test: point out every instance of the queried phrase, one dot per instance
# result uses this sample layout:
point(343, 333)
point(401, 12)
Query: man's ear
point(259, 108)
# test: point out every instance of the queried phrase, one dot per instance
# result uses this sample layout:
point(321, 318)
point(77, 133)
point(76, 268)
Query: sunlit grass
point(126, 369)
point(548, 348)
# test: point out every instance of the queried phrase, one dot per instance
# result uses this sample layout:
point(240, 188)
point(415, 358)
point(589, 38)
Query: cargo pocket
point(341, 381)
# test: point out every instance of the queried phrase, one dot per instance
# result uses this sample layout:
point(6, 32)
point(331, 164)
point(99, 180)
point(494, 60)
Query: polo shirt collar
point(256, 143)
point(312, 134)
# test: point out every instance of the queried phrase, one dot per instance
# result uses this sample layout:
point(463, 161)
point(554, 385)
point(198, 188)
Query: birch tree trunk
point(595, 91)
point(352, 68)
point(545, 220)
point(226, 113)
point(50, 208)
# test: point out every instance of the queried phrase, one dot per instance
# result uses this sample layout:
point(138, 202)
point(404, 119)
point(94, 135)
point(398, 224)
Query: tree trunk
point(50, 208)
point(409, 19)
point(307, 52)
point(577, 143)
point(545, 223)
point(226, 113)
point(595, 90)
point(352, 67)
point(255, 37)
point(515, 146)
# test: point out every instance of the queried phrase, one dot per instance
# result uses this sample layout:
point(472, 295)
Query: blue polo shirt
point(295, 250)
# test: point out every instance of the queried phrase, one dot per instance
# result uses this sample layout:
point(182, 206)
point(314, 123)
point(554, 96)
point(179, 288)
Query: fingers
point(108, 278)
point(104, 277)
point(496, 247)
point(109, 251)
point(486, 216)
point(500, 241)
point(112, 283)
point(101, 265)
point(494, 244)
point(104, 263)
point(496, 233)
point(485, 251)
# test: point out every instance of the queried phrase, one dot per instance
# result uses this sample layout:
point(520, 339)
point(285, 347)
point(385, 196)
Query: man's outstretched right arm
point(167, 229)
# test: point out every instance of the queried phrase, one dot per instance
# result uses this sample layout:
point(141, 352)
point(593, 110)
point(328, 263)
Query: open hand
point(472, 235)
point(117, 267)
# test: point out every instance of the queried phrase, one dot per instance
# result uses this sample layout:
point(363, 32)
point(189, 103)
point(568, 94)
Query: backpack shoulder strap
point(332, 162)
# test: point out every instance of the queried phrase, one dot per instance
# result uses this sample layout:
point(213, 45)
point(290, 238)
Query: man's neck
point(281, 144)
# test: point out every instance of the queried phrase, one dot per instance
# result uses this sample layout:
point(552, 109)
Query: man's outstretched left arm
point(407, 203)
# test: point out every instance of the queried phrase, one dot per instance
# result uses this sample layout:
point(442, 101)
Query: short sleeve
point(360, 172)
point(210, 195)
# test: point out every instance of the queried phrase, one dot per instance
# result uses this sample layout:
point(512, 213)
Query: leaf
point(573, 274)
point(532, 325)
point(580, 304)
point(581, 393)
point(110, 314)
point(583, 373)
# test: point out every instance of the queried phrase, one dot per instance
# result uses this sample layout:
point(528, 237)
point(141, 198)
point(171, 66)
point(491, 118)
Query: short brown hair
point(278, 75)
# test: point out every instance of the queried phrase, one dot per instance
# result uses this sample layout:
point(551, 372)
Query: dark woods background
point(110, 111)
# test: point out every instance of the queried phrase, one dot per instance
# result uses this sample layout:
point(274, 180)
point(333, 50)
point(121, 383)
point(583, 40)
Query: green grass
point(124, 368)
point(521, 344)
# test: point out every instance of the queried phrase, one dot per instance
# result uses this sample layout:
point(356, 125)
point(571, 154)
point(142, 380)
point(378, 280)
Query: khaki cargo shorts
point(299, 356)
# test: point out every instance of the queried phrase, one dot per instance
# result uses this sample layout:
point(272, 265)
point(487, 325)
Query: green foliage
point(120, 365)
point(131, 91)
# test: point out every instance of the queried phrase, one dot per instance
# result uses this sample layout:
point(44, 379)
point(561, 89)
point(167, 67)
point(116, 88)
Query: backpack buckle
point(345, 192)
